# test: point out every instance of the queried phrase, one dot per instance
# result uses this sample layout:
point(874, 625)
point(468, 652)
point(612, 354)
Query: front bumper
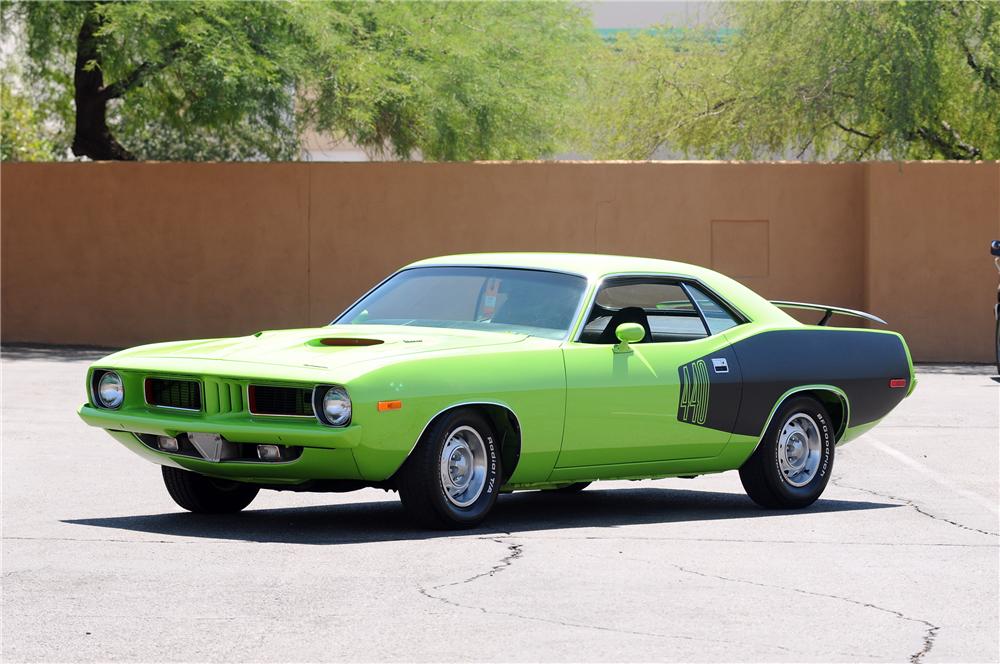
point(327, 452)
point(313, 464)
point(242, 429)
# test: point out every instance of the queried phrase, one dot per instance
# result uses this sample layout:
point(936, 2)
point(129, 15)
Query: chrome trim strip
point(664, 275)
point(479, 265)
point(808, 306)
point(807, 388)
point(697, 307)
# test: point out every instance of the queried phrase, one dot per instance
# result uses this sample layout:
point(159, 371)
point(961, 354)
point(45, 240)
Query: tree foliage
point(840, 80)
point(25, 134)
point(229, 79)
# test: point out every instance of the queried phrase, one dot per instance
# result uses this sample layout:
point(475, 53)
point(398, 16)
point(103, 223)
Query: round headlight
point(110, 391)
point(336, 406)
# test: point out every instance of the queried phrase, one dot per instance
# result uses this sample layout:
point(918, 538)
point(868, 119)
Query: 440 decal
point(695, 391)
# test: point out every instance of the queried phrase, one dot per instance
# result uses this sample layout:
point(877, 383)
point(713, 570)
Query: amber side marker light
point(389, 405)
point(897, 382)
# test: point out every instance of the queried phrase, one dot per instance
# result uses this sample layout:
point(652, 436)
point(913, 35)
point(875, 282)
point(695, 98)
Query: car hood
point(320, 348)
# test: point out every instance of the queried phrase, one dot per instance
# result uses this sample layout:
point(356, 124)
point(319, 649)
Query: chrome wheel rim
point(799, 449)
point(463, 466)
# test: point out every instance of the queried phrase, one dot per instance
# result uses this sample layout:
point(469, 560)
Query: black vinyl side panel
point(858, 362)
point(710, 391)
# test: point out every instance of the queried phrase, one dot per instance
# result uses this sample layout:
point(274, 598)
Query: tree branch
point(971, 150)
point(987, 74)
point(139, 75)
point(121, 86)
point(851, 130)
point(955, 148)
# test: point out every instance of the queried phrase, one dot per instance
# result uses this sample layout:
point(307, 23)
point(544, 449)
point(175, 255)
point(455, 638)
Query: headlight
point(110, 392)
point(336, 406)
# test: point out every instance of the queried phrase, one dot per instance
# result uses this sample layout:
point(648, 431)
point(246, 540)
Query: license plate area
point(213, 447)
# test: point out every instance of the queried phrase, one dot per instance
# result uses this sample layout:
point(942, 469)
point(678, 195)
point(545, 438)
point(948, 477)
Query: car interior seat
point(626, 315)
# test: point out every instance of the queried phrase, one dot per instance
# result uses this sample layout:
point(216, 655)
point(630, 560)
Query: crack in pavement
point(909, 503)
point(738, 540)
point(514, 552)
point(930, 629)
point(723, 540)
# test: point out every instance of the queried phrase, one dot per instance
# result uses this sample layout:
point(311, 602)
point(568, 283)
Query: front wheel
point(792, 465)
point(205, 495)
point(451, 479)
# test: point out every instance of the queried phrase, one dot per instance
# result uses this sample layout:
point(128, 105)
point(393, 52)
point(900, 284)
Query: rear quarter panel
point(859, 362)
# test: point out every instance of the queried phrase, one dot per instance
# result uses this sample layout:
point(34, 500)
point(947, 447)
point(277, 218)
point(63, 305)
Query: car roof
point(596, 266)
point(592, 266)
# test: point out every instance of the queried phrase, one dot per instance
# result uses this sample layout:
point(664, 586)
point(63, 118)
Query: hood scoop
point(345, 342)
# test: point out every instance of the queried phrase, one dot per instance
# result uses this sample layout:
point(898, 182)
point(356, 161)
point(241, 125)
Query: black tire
point(761, 474)
point(572, 488)
point(205, 495)
point(420, 483)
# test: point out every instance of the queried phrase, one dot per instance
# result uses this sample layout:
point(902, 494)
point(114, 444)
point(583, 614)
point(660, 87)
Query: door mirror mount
point(628, 333)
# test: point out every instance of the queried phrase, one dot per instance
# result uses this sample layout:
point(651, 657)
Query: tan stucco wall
point(117, 254)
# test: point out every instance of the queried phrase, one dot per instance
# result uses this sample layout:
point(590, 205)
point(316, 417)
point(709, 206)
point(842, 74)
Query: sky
point(643, 14)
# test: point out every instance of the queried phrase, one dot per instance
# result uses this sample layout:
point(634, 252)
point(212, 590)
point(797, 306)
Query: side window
point(717, 318)
point(645, 295)
point(661, 306)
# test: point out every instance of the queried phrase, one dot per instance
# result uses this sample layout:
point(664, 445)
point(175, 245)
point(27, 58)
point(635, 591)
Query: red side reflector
point(389, 405)
point(897, 382)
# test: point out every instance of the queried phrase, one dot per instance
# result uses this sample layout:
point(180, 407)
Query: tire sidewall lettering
point(825, 431)
point(492, 485)
point(824, 466)
point(491, 482)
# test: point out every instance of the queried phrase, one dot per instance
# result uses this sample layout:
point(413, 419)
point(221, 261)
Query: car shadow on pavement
point(381, 521)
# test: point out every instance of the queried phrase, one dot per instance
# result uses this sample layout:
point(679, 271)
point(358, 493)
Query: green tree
point(840, 80)
point(25, 134)
point(227, 79)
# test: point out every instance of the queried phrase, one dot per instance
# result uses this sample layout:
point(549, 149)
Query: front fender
point(529, 381)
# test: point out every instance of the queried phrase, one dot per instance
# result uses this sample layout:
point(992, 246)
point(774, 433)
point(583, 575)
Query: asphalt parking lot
point(898, 562)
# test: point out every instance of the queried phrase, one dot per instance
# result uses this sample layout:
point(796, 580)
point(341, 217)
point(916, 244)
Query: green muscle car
point(462, 377)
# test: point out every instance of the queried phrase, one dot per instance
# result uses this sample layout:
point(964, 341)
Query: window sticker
point(489, 306)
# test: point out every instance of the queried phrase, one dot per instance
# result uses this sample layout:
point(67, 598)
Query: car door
point(675, 395)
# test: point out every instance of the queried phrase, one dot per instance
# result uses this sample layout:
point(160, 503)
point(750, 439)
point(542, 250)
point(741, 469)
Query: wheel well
point(836, 405)
point(507, 427)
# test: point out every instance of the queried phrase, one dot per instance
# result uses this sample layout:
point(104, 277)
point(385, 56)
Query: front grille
point(223, 396)
point(270, 400)
point(172, 393)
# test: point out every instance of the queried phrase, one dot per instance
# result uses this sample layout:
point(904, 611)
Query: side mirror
point(628, 333)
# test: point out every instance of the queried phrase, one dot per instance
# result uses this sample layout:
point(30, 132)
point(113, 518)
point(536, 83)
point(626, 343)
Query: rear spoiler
point(830, 311)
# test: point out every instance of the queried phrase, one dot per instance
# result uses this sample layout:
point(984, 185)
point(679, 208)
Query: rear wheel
point(206, 495)
point(451, 479)
point(791, 467)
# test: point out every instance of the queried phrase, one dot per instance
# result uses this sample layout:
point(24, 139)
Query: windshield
point(474, 298)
